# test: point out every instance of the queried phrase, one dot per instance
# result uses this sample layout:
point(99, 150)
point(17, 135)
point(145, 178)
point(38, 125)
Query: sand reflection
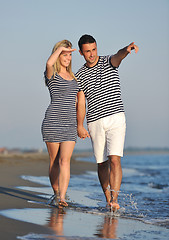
point(56, 221)
point(108, 229)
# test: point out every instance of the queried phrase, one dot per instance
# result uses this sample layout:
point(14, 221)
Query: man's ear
point(81, 53)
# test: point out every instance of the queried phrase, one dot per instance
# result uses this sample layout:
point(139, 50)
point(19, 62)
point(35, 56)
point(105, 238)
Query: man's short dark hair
point(85, 39)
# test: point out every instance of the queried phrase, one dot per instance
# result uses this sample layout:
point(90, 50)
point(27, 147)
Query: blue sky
point(29, 30)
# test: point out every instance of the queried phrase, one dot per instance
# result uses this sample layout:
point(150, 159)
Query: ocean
point(144, 199)
point(145, 188)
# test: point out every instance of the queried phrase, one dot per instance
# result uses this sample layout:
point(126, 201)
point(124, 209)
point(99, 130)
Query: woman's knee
point(64, 161)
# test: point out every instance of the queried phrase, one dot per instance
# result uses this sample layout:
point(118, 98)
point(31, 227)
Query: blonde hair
point(66, 44)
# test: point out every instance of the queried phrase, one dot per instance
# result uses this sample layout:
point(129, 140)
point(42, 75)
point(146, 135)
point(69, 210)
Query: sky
point(29, 30)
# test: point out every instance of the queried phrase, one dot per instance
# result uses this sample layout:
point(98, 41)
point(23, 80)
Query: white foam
point(130, 172)
point(37, 179)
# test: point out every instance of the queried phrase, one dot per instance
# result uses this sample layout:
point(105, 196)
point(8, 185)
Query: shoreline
point(13, 166)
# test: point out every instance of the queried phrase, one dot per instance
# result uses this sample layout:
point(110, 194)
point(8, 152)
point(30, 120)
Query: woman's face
point(65, 58)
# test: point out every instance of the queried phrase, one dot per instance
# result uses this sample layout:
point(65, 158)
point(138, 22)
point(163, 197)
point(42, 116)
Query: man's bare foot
point(114, 206)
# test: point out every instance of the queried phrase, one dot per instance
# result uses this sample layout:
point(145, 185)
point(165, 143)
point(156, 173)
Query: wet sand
point(74, 222)
point(12, 166)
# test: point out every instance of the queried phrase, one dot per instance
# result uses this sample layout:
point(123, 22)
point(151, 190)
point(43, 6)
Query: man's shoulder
point(106, 61)
point(105, 58)
point(80, 71)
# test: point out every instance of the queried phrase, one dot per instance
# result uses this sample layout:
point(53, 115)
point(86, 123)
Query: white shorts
point(107, 136)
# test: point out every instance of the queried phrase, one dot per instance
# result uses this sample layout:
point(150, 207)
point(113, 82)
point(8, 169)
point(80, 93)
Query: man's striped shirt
point(101, 86)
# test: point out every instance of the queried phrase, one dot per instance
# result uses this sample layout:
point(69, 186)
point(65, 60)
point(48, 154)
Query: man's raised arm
point(122, 53)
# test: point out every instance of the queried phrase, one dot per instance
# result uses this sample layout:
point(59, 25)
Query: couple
point(98, 82)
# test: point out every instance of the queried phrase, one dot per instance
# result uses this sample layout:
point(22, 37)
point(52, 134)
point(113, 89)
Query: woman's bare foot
point(54, 199)
point(62, 203)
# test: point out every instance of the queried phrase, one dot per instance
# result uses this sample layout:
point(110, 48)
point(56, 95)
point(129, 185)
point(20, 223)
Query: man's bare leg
point(103, 174)
point(115, 179)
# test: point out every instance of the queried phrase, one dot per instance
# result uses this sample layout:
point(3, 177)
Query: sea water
point(144, 197)
point(144, 191)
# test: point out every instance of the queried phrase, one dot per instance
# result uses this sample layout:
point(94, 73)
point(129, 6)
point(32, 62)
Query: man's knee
point(115, 160)
point(103, 165)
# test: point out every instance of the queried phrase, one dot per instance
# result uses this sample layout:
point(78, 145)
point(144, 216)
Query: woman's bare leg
point(53, 150)
point(66, 150)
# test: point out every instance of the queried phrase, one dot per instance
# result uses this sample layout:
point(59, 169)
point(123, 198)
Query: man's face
point(89, 52)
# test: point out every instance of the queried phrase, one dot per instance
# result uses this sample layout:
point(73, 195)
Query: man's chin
point(92, 61)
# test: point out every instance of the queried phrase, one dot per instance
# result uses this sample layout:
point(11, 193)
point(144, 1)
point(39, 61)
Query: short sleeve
point(79, 84)
point(47, 79)
point(109, 59)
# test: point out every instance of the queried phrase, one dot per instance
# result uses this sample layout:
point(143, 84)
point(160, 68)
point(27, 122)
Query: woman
point(59, 125)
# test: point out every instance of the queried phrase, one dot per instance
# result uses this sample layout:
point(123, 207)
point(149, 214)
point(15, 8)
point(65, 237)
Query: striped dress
point(60, 123)
point(101, 86)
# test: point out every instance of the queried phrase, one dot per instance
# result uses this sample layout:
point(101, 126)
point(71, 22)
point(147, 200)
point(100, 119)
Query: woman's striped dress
point(60, 124)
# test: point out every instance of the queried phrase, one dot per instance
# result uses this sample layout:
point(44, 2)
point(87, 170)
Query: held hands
point(132, 46)
point(82, 133)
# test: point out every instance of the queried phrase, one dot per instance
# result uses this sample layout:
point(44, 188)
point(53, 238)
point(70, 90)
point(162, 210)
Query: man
point(99, 83)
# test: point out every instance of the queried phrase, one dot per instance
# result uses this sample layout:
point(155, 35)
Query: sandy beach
point(12, 167)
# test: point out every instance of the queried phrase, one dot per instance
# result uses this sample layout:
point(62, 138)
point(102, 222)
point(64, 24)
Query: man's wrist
point(80, 126)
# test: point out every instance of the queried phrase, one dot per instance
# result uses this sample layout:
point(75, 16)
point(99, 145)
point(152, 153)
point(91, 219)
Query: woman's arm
point(52, 59)
point(81, 112)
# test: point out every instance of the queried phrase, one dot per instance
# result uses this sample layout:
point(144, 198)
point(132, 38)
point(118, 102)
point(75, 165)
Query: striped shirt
point(59, 123)
point(101, 86)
